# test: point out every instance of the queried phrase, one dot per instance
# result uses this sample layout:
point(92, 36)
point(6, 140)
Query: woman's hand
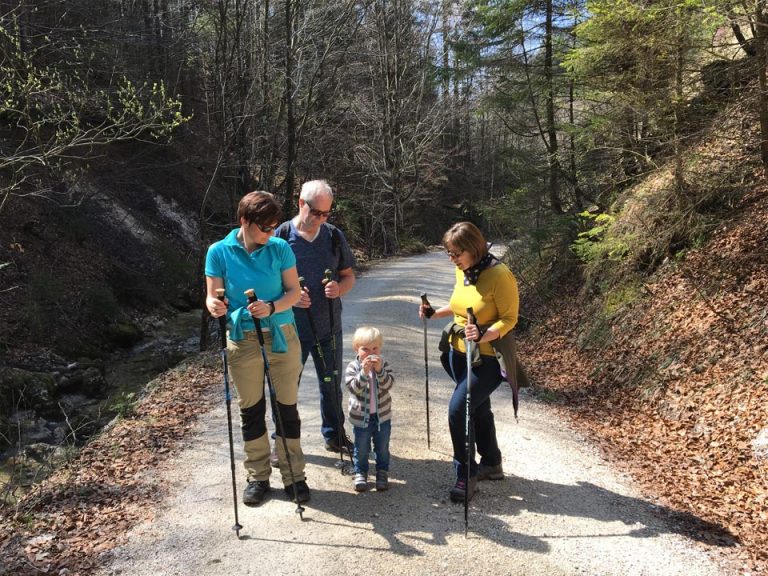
point(259, 309)
point(472, 332)
point(216, 307)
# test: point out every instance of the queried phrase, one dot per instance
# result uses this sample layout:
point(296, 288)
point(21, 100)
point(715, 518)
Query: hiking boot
point(332, 445)
point(255, 493)
point(361, 482)
point(490, 472)
point(302, 491)
point(274, 460)
point(382, 480)
point(458, 490)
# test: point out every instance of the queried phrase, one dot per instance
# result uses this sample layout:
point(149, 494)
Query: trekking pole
point(251, 295)
point(228, 400)
point(335, 376)
point(428, 311)
point(319, 348)
point(468, 418)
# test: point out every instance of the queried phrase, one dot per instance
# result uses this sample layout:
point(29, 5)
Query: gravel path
point(560, 510)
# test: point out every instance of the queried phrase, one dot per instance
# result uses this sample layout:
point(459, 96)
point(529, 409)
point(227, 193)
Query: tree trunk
point(552, 156)
point(761, 19)
point(289, 109)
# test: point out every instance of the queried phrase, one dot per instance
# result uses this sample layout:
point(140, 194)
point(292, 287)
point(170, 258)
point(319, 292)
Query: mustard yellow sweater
point(494, 300)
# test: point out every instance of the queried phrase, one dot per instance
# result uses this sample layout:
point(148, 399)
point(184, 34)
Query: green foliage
point(124, 406)
point(619, 297)
point(60, 111)
point(596, 243)
point(410, 245)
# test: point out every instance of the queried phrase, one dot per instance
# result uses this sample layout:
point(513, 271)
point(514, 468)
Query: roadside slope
point(674, 386)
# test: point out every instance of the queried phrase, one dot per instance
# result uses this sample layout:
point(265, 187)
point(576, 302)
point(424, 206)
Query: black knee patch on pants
point(252, 420)
point(290, 417)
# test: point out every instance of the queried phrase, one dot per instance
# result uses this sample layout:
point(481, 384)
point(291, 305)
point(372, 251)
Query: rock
point(93, 382)
point(760, 446)
point(124, 334)
point(30, 390)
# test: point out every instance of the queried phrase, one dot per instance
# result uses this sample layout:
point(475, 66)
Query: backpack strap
point(283, 232)
point(335, 241)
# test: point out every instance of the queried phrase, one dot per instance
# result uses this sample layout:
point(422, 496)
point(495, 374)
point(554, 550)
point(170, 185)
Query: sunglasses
point(452, 254)
point(264, 228)
point(318, 213)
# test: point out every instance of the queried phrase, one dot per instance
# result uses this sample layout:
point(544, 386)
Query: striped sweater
point(359, 386)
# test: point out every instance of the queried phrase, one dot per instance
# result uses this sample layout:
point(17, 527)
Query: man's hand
point(305, 301)
point(332, 290)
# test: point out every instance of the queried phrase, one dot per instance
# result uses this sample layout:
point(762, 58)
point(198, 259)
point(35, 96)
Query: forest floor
point(676, 389)
point(152, 494)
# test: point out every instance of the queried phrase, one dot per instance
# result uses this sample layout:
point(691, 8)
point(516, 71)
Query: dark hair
point(259, 208)
point(466, 237)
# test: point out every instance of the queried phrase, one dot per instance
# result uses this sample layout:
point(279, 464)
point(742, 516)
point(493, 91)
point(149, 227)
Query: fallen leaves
point(679, 392)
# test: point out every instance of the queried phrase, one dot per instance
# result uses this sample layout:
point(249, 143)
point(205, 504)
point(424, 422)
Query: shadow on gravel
point(586, 500)
point(415, 512)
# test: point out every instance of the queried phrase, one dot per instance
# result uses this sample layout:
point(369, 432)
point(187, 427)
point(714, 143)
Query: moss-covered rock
point(124, 334)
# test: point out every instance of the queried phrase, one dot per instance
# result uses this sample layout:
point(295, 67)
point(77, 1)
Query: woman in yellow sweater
point(487, 286)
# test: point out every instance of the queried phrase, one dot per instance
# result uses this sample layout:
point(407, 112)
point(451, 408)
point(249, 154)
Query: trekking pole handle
point(428, 310)
point(220, 294)
point(251, 295)
point(471, 316)
point(302, 282)
point(328, 275)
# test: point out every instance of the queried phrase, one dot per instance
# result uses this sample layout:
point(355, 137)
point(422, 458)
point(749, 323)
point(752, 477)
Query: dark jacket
point(506, 353)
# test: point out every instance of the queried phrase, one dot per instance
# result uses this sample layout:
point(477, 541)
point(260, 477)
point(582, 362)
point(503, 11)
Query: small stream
point(46, 444)
point(169, 344)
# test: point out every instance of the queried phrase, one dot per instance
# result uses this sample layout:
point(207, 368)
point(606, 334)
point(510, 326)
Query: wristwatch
point(271, 307)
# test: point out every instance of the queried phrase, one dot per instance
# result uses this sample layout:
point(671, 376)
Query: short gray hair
point(314, 188)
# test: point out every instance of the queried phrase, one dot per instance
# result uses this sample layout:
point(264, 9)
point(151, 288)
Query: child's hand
point(371, 363)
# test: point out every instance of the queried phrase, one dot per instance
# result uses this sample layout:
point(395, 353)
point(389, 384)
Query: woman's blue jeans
point(380, 436)
point(485, 379)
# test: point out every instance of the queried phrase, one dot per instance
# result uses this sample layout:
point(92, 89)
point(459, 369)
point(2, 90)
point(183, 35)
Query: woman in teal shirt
point(250, 257)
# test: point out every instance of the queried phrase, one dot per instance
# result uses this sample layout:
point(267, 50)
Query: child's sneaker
point(361, 482)
point(382, 482)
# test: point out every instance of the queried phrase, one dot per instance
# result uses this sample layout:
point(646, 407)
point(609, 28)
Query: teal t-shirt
point(261, 271)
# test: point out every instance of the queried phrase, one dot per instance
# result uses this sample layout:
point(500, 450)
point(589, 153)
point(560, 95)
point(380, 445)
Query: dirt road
point(561, 510)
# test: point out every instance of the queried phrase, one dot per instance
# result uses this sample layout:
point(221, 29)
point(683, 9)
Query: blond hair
point(366, 335)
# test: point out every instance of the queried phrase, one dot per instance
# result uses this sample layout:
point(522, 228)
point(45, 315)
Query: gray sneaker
point(490, 472)
point(361, 482)
point(382, 480)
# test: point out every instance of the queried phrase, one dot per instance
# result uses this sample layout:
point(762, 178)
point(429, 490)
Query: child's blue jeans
point(380, 436)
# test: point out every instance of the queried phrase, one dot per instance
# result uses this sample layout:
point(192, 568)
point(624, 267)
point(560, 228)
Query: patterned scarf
point(472, 273)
